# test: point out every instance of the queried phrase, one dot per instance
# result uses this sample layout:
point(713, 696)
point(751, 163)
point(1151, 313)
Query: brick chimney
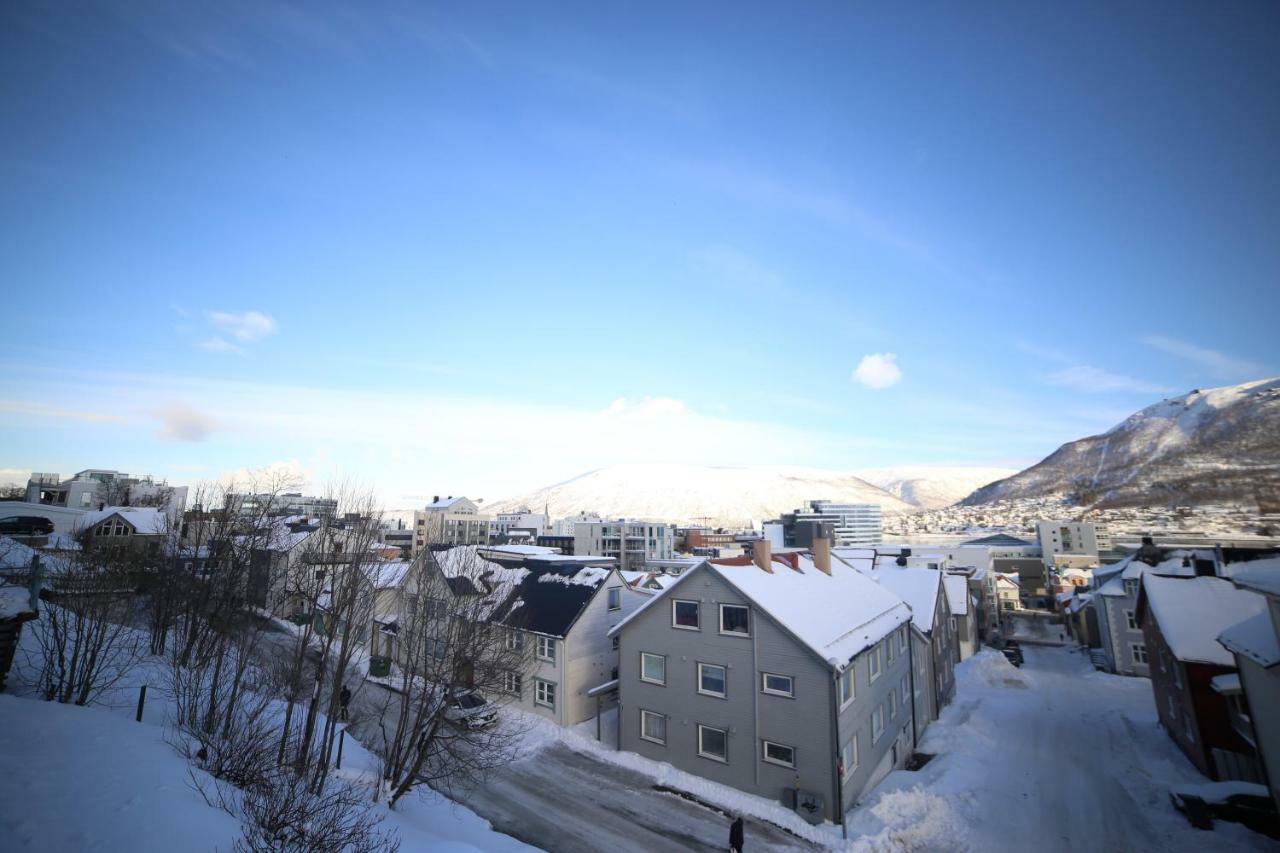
point(821, 551)
point(762, 554)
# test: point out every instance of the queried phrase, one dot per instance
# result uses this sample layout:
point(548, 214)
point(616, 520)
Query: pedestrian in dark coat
point(735, 835)
point(343, 698)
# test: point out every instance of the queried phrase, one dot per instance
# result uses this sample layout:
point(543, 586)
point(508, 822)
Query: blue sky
point(480, 249)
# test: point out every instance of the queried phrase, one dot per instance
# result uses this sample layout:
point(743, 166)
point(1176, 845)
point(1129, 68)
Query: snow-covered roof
point(836, 616)
point(919, 588)
point(388, 575)
point(957, 589)
point(1258, 575)
point(1255, 638)
point(61, 542)
point(445, 503)
point(1079, 602)
point(1226, 684)
point(1192, 612)
point(146, 521)
point(521, 550)
point(14, 602)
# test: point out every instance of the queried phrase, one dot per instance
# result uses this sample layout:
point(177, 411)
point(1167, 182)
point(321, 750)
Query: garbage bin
point(379, 667)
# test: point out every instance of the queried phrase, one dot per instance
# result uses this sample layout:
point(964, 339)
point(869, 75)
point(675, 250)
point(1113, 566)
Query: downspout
point(835, 760)
point(911, 663)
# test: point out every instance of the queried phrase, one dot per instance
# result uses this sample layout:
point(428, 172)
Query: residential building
point(964, 620)
point(851, 525)
point(282, 504)
point(1181, 619)
point(630, 542)
point(561, 543)
point(1007, 593)
point(1071, 544)
point(137, 528)
point(1033, 581)
point(534, 524)
point(96, 488)
point(784, 675)
point(1253, 694)
point(449, 522)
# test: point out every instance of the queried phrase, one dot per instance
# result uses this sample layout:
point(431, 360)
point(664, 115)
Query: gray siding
point(589, 656)
point(876, 755)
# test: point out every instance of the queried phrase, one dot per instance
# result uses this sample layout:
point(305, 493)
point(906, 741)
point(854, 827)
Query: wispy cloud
point(1217, 363)
point(180, 422)
point(41, 410)
point(734, 269)
point(248, 326)
point(878, 370)
point(1095, 380)
point(217, 344)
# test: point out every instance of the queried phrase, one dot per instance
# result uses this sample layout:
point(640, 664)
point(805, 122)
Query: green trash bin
point(379, 667)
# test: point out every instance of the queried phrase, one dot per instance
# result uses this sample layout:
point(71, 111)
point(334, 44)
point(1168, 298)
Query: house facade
point(450, 521)
point(717, 670)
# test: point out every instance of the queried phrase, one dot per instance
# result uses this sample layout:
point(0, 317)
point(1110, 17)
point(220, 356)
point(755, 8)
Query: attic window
point(735, 619)
point(684, 614)
point(615, 598)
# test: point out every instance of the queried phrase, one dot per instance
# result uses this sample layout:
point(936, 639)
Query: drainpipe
point(911, 663)
point(835, 741)
point(755, 706)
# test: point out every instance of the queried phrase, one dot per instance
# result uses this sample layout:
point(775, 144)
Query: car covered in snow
point(1239, 802)
point(469, 709)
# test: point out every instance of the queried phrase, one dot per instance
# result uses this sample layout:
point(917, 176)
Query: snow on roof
point(522, 550)
point(1255, 638)
point(919, 588)
point(1226, 684)
point(1113, 588)
point(61, 542)
point(586, 576)
point(836, 616)
point(1192, 612)
point(146, 521)
point(957, 589)
point(445, 503)
point(387, 575)
point(1258, 575)
point(1079, 602)
point(14, 601)
point(1000, 540)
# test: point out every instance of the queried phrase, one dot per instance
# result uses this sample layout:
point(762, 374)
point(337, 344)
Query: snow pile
point(911, 819)
point(590, 576)
point(14, 601)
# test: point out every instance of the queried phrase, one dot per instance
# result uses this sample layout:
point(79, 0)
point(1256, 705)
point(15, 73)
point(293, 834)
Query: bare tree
point(456, 637)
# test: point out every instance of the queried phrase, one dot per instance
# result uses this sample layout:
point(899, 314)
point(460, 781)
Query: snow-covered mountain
point(719, 496)
point(1220, 445)
point(932, 486)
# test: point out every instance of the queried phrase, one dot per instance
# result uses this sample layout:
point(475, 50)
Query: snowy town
point(510, 680)
point(654, 427)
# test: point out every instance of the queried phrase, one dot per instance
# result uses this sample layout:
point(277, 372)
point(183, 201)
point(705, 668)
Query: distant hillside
point(932, 486)
point(719, 496)
point(1220, 445)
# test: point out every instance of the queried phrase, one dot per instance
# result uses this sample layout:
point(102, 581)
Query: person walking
point(343, 699)
point(735, 835)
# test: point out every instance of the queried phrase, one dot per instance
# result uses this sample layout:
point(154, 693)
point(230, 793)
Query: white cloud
point(248, 326)
point(878, 370)
point(217, 344)
point(1084, 377)
point(1218, 363)
point(180, 422)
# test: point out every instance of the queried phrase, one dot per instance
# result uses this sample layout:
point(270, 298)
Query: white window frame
point(1139, 656)
point(888, 652)
point(513, 683)
point(848, 684)
point(874, 664)
point(764, 753)
point(725, 633)
point(723, 759)
point(877, 723)
point(773, 691)
point(644, 715)
point(723, 668)
point(547, 649)
point(697, 604)
point(515, 640)
point(646, 678)
point(849, 756)
point(1131, 620)
point(614, 594)
point(893, 705)
point(906, 689)
point(541, 690)
point(902, 639)
point(615, 642)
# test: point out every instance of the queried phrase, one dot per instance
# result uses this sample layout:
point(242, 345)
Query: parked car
point(1239, 802)
point(25, 525)
point(470, 709)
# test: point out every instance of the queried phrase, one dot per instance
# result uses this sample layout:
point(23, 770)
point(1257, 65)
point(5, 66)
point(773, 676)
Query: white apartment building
point(852, 524)
point(565, 526)
point(94, 488)
point(1071, 544)
point(522, 519)
point(630, 542)
point(450, 521)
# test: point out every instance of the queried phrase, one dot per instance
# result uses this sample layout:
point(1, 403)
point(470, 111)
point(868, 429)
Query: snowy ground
point(1052, 757)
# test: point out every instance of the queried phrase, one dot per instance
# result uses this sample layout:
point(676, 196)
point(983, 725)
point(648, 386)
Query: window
point(849, 757)
point(436, 648)
point(545, 693)
point(776, 753)
point(875, 663)
point(1130, 587)
point(846, 687)
point(713, 743)
point(616, 642)
point(653, 727)
point(893, 704)
point(778, 685)
point(515, 640)
point(877, 723)
point(1177, 673)
point(1139, 652)
point(712, 680)
point(735, 619)
point(1131, 620)
point(615, 598)
point(547, 649)
point(888, 651)
point(906, 689)
point(902, 639)
point(653, 668)
point(513, 683)
point(684, 614)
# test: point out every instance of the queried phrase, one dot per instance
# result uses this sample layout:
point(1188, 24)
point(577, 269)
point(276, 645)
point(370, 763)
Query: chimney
point(821, 551)
point(435, 499)
point(762, 554)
